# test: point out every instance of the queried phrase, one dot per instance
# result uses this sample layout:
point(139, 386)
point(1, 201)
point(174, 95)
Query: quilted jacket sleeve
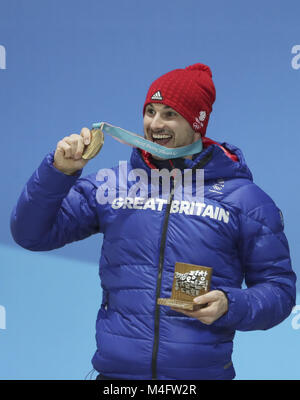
point(54, 209)
point(270, 280)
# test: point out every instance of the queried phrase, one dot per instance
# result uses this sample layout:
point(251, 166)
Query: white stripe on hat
point(157, 96)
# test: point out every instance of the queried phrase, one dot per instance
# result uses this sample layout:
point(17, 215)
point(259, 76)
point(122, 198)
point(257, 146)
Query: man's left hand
point(217, 305)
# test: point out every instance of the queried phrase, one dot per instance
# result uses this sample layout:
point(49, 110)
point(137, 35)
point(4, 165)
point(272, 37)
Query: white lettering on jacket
point(177, 206)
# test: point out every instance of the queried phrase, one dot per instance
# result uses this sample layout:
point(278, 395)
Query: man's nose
point(157, 122)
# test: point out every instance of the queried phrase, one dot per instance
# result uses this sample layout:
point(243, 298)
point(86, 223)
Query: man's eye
point(171, 114)
point(150, 111)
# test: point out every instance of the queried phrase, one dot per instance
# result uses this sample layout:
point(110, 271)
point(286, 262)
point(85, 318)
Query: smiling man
point(165, 126)
point(237, 230)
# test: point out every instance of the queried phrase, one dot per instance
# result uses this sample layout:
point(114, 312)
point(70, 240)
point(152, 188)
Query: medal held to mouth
point(134, 140)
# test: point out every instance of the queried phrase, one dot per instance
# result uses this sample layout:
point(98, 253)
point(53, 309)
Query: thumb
point(205, 298)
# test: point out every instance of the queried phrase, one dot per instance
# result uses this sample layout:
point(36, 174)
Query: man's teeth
point(157, 136)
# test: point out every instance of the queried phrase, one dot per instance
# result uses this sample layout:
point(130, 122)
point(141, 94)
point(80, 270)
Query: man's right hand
point(67, 157)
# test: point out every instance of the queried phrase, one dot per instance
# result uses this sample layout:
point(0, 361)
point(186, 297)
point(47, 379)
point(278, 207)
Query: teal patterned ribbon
point(156, 149)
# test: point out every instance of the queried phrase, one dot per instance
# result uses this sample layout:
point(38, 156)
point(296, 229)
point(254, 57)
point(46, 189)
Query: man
point(237, 230)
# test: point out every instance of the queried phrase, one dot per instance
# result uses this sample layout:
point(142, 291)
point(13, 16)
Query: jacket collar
point(216, 159)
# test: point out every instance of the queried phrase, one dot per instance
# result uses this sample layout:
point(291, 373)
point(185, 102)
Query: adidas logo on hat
point(157, 96)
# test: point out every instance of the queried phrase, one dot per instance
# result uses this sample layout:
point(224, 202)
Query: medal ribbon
point(135, 140)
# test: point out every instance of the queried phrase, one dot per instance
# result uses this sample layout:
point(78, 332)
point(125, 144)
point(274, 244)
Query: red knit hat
point(189, 91)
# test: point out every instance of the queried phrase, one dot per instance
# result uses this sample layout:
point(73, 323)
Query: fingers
point(64, 148)
point(205, 315)
point(86, 135)
point(202, 312)
point(185, 312)
point(217, 305)
point(72, 146)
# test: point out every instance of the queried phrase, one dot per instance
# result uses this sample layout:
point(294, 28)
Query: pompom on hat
point(189, 91)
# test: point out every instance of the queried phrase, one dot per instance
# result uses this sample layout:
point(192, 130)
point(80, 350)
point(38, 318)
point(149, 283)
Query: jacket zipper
point(159, 279)
point(201, 164)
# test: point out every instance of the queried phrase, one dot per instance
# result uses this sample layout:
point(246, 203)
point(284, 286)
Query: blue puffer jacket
point(238, 231)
